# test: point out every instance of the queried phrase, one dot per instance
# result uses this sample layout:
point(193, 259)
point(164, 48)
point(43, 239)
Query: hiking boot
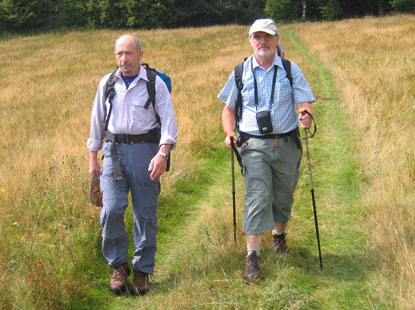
point(119, 276)
point(279, 244)
point(140, 283)
point(253, 266)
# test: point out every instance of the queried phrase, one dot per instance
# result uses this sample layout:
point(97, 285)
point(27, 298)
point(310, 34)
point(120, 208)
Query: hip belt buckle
point(123, 139)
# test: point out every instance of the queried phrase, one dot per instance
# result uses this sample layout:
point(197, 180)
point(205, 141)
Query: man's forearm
point(228, 121)
point(93, 156)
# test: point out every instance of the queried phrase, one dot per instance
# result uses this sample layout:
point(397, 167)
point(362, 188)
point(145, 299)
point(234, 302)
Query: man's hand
point(228, 144)
point(158, 163)
point(303, 118)
point(157, 166)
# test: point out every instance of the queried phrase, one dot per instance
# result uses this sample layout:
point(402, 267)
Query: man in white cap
point(268, 138)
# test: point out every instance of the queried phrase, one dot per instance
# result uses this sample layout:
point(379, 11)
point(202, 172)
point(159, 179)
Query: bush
point(282, 10)
point(404, 5)
point(149, 14)
point(24, 14)
point(332, 10)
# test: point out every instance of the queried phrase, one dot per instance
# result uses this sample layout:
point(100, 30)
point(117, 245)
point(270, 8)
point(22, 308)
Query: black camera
point(263, 119)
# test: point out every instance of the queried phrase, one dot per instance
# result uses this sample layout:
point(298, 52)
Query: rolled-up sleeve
point(96, 135)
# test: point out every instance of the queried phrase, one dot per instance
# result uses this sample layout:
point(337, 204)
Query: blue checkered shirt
point(283, 115)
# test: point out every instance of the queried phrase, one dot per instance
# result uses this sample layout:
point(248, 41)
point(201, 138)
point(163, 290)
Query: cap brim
point(273, 33)
point(95, 196)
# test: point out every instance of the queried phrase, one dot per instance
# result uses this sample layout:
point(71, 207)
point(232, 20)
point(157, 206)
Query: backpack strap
point(151, 89)
point(238, 72)
point(109, 94)
point(287, 67)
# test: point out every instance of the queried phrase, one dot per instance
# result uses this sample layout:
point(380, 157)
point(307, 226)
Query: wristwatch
point(166, 156)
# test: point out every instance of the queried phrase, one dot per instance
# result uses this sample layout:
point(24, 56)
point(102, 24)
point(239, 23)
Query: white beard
point(264, 54)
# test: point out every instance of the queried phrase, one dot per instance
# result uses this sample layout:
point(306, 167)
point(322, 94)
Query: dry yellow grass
point(374, 62)
point(47, 87)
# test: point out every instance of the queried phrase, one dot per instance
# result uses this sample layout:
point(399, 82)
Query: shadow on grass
point(224, 271)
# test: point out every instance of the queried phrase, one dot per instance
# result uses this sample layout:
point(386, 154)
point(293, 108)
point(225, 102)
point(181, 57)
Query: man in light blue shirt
point(268, 138)
point(138, 140)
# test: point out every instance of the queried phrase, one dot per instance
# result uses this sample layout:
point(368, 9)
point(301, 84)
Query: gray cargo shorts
point(272, 169)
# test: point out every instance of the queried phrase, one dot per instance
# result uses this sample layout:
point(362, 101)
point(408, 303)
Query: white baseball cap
point(265, 25)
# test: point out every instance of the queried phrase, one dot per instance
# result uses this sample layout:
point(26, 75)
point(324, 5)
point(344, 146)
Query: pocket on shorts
point(244, 146)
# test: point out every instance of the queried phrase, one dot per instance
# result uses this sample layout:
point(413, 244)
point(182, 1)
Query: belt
point(153, 136)
point(294, 134)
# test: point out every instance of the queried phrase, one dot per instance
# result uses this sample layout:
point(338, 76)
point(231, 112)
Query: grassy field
point(373, 62)
point(363, 74)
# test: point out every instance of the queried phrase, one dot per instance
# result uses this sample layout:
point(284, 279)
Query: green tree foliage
point(252, 9)
point(71, 12)
point(281, 10)
point(116, 14)
point(112, 14)
point(24, 14)
point(198, 12)
point(326, 9)
point(404, 5)
point(149, 14)
point(332, 10)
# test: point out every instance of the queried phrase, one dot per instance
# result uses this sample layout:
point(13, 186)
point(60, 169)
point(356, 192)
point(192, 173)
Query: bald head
point(128, 54)
point(129, 38)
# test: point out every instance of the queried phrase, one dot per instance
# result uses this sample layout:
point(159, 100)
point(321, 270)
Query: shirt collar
point(142, 74)
point(276, 62)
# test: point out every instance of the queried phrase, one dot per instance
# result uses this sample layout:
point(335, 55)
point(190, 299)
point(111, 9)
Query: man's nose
point(262, 39)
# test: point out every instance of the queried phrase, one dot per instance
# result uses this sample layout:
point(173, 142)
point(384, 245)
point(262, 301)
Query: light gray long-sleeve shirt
point(128, 113)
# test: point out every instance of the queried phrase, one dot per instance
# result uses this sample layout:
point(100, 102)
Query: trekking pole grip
point(304, 111)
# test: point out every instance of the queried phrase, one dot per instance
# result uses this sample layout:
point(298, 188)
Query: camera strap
point(274, 78)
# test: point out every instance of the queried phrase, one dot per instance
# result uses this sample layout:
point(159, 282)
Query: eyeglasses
point(259, 38)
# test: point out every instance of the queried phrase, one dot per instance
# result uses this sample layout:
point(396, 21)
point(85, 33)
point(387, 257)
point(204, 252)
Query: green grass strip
point(344, 282)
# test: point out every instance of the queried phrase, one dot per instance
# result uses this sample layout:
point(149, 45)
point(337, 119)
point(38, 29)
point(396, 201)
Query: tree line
point(29, 15)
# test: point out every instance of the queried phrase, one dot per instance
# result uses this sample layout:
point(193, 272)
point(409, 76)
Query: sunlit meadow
point(373, 60)
point(48, 82)
point(50, 234)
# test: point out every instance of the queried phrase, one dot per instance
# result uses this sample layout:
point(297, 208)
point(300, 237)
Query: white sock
point(278, 230)
point(251, 248)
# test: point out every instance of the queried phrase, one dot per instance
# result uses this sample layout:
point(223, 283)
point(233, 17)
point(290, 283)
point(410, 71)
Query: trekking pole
point(233, 189)
point(304, 111)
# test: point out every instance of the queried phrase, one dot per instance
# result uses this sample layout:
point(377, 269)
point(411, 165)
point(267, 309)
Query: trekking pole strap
point(238, 156)
point(314, 122)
